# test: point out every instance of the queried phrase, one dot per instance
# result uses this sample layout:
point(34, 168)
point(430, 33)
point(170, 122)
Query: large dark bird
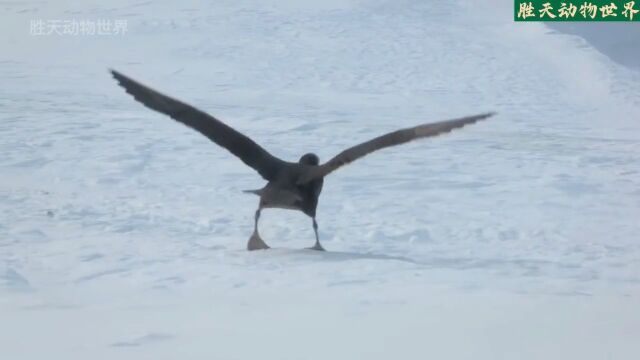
point(295, 186)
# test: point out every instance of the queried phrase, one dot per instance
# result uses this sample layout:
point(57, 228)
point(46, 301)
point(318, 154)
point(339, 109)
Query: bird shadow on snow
point(337, 255)
point(523, 267)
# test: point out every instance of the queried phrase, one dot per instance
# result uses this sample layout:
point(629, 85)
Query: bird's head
point(309, 159)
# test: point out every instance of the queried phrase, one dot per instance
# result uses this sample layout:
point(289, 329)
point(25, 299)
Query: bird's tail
point(256, 192)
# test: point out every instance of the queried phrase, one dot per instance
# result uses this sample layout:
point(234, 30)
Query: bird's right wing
point(238, 144)
point(394, 138)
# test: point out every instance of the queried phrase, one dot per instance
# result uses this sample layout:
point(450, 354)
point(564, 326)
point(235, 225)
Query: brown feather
point(252, 154)
point(391, 139)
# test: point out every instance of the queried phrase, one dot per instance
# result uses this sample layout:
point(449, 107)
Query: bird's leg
point(255, 242)
point(317, 246)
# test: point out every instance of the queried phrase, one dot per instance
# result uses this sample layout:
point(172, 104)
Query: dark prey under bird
point(290, 185)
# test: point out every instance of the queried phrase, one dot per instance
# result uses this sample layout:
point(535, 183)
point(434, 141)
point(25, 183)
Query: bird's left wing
point(238, 144)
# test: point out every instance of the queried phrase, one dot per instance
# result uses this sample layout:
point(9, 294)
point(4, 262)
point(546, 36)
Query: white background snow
point(122, 233)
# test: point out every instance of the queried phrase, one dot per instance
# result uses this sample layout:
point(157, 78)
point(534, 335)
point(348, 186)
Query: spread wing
point(238, 144)
point(391, 139)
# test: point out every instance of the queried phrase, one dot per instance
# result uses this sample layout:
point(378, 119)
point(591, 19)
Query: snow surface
point(122, 233)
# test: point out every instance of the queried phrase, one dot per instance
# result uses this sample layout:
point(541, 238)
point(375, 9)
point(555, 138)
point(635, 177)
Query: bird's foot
point(317, 247)
point(256, 242)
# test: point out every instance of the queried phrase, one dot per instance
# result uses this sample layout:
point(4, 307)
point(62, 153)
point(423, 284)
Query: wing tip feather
point(116, 75)
point(484, 115)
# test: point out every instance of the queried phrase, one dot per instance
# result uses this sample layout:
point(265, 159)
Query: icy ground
point(122, 233)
